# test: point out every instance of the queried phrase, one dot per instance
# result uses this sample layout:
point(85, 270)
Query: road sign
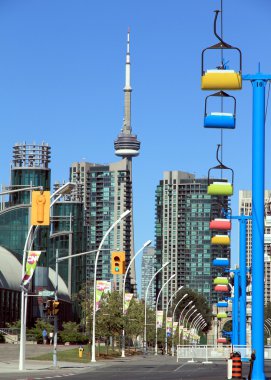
point(46, 293)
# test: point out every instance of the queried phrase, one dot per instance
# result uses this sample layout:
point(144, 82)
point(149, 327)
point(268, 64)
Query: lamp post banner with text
point(102, 287)
point(159, 318)
point(127, 300)
point(175, 324)
point(31, 263)
point(169, 324)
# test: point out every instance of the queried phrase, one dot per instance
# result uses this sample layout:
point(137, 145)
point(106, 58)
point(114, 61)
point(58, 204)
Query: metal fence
point(209, 353)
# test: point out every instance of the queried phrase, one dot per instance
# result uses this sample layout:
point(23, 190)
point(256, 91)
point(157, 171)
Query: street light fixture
point(167, 314)
point(123, 215)
point(173, 314)
point(123, 293)
point(145, 311)
point(191, 308)
point(156, 305)
point(180, 317)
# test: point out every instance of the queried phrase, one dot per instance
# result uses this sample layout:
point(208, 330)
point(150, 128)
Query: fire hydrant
point(80, 351)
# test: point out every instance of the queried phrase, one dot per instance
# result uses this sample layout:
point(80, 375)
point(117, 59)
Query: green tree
point(109, 319)
point(84, 300)
point(70, 333)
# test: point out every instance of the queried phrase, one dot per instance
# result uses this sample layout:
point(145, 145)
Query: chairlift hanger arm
point(220, 45)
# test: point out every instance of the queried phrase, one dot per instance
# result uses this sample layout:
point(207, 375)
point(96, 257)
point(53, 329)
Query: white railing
point(207, 353)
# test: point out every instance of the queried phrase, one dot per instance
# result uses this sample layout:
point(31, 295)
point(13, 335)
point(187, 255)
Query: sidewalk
point(12, 366)
point(9, 359)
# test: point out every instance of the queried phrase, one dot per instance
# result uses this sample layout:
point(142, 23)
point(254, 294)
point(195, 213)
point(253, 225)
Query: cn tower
point(127, 145)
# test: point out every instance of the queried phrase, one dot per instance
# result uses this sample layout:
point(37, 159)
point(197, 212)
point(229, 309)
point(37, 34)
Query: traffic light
point(40, 208)
point(118, 263)
point(56, 305)
point(48, 307)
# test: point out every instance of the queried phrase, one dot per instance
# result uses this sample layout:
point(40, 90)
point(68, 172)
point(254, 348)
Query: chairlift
point(221, 288)
point(220, 224)
point(221, 78)
point(222, 315)
point(222, 340)
point(220, 187)
point(222, 304)
point(221, 262)
point(223, 120)
point(220, 240)
point(221, 281)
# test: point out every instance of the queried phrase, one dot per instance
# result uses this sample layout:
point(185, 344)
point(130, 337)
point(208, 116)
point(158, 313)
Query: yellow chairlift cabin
point(221, 240)
point(221, 78)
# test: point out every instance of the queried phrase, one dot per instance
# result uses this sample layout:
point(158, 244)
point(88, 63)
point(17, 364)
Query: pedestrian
point(44, 336)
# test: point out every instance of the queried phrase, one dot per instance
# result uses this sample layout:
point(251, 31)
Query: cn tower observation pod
point(127, 145)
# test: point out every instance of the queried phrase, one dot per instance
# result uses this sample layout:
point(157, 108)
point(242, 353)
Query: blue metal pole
point(258, 81)
point(258, 150)
point(235, 312)
point(243, 280)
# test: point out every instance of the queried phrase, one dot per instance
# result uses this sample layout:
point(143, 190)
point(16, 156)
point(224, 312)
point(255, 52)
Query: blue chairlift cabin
point(225, 120)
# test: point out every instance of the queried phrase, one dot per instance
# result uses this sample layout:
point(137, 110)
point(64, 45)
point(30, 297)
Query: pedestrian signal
point(118, 263)
point(40, 208)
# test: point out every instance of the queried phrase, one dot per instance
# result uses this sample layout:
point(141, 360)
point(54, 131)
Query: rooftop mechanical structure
point(127, 145)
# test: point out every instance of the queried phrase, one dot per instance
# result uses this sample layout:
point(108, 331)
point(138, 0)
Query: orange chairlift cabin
point(225, 120)
point(222, 340)
point(221, 78)
point(223, 220)
point(221, 288)
point(221, 187)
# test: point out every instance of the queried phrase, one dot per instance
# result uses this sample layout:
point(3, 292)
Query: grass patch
point(72, 355)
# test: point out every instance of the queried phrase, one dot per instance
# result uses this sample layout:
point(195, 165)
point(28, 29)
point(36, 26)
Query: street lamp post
point(123, 293)
point(188, 311)
point(167, 314)
point(123, 215)
point(180, 317)
point(191, 323)
point(173, 314)
point(199, 321)
point(156, 305)
point(145, 311)
point(59, 192)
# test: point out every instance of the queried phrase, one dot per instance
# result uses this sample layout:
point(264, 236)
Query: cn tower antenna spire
point(127, 144)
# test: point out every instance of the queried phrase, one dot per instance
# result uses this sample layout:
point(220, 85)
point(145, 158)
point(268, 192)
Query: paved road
point(129, 368)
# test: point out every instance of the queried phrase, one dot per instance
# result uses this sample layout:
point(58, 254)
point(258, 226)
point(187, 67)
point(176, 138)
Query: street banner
point(169, 325)
point(102, 287)
point(159, 319)
point(127, 300)
point(31, 263)
point(185, 333)
point(175, 325)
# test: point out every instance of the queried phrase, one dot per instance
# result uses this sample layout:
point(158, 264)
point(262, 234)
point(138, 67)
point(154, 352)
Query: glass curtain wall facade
point(148, 269)
point(183, 213)
point(30, 167)
point(106, 191)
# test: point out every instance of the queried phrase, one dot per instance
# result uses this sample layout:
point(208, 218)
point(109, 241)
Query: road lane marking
point(181, 366)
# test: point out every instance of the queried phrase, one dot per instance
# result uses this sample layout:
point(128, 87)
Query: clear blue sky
point(62, 78)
